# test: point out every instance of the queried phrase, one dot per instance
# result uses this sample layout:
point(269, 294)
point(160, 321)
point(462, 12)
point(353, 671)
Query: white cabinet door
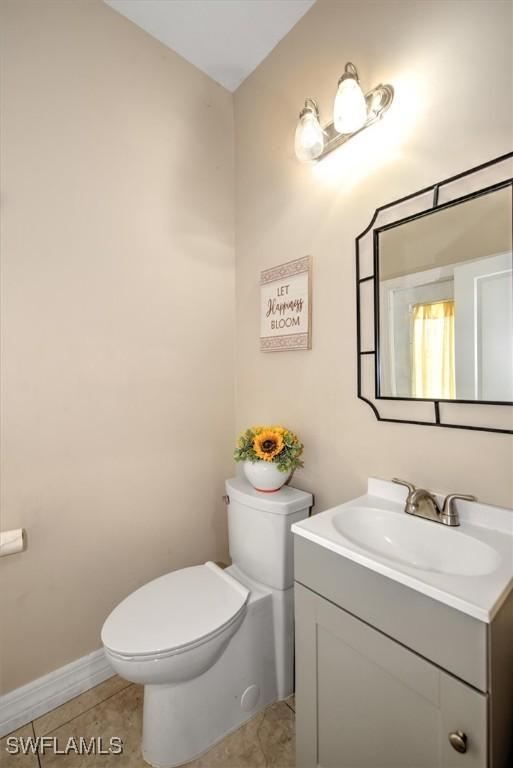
point(365, 701)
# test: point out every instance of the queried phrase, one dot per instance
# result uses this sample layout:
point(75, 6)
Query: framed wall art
point(286, 306)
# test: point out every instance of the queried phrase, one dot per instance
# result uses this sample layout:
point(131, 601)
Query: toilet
point(212, 647)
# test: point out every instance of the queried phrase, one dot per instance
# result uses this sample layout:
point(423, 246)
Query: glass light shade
point(350, 108)
point(309, 139)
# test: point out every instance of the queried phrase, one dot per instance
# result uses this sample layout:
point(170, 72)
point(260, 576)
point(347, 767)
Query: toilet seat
point(174, 613)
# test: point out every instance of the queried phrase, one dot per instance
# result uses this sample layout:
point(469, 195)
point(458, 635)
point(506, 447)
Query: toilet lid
point(178, 609)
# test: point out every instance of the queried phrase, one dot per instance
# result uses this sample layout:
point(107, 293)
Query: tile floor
point(114, 708)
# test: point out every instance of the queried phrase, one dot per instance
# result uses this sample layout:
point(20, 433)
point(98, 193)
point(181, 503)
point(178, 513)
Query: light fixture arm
point(350, 72)
point(311, 105)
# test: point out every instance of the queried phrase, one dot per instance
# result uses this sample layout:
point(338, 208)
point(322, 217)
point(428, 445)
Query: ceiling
point(226, 39)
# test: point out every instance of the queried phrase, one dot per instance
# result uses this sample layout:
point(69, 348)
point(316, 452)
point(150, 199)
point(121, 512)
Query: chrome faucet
point(424, 504)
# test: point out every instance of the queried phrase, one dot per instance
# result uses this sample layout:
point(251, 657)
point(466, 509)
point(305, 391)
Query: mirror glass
point(445, 300)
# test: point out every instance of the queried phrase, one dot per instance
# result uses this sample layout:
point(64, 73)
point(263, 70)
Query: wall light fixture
point(353, 111)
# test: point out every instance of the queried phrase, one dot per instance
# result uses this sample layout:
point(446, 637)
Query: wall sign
point(286, 306)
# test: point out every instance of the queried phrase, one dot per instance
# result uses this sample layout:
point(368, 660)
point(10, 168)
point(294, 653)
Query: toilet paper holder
point(12, 542)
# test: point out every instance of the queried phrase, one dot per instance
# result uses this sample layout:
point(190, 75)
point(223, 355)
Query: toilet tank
point(260, 541)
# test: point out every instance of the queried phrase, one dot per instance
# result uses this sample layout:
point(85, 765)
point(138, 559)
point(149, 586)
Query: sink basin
point(435, 547)
point(469, 567)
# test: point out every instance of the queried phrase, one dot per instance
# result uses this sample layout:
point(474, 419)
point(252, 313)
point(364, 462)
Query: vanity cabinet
point(385, 675)
point(363, 700)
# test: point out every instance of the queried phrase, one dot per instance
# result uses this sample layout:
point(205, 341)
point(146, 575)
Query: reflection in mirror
point(446, 303)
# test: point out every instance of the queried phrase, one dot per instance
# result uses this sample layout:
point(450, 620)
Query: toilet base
point(155, 753)
point(182, 721)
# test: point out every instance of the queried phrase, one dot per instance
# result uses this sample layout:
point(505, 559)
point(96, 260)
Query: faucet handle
point(410, 486)
point(449, 500)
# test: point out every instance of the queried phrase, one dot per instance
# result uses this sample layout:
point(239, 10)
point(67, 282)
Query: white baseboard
point(24, 704)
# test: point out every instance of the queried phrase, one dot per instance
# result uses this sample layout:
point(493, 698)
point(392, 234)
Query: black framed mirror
point(435, 303)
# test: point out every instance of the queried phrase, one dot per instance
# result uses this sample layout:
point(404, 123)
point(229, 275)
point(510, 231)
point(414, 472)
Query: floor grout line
point(34, 734)
point(259, 740)
point(66, 722)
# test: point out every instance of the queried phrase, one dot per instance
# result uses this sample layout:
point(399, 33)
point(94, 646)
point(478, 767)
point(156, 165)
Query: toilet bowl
point(175, 627)
point(212, 647)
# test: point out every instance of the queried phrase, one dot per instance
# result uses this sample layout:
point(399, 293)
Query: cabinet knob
point(458, 741)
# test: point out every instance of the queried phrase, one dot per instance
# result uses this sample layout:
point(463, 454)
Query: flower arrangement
point(276, 445)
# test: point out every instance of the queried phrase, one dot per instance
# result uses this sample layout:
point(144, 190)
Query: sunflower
point(268, 444)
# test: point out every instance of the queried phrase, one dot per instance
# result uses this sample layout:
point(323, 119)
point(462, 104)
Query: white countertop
point(479, 596)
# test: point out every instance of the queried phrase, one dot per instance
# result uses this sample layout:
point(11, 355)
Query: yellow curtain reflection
point(433, 373)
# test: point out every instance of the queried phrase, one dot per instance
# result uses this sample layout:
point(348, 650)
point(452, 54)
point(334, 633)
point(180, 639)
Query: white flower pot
point(265, 476)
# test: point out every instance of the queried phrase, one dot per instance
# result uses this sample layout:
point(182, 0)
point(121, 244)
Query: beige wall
point(450, 63)
point(117, 259)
